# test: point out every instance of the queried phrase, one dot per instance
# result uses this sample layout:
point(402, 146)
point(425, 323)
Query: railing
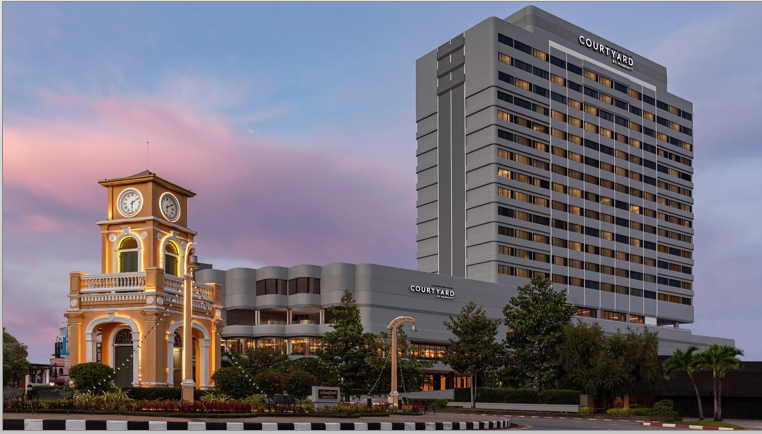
point(111, 298)
point(203, 291)
point(173, 284)
point(304, 321)
point(113, 282)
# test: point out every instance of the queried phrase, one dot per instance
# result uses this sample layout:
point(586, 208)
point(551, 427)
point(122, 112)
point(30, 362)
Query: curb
point(684, 426)
point(124, 425)
point(578, 418)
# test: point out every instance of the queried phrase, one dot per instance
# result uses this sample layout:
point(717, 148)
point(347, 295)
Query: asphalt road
point(566, 424)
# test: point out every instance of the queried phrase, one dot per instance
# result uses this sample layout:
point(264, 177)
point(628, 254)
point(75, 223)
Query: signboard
point(617, 57)
point(324, 396)
point(435, 290)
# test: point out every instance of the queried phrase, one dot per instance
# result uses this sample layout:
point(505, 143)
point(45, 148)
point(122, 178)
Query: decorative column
point(137, 356)
point(203, 346)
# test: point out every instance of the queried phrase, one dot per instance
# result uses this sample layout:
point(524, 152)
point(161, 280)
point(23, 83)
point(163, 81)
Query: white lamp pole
point(393, 327)
point(188, 384)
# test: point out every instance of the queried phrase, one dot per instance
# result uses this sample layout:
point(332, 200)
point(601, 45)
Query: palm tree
point(719, 360)
point(684, 361)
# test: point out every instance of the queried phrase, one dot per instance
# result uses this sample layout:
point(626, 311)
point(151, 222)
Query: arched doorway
point(123, 350)
point(177, 360)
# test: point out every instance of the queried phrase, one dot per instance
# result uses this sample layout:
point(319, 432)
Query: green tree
point(298, 383)
point(684, 361)
point(410, 366)
point(258, 359)
point(348, 348)
point(473, 349)
point(232, 381)
point(324, 374)
point(535, 318)
point(719, 360)
point(607, 367)
point(14, 355)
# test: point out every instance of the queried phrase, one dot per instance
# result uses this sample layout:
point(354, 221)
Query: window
point(171, 259)
point(557, 80)
point(637, 319)
point(605, 81)
point(271, 287)
point(613, 316)
point(522, 84)
point(503, 58)
point(504, 40)
point(634, 94)
point(558, 62)
point(540, 54)
point(128, 255)
point(522, 47)
point(304, 285)
point(574, 69)
point(591, 75)
point(574, 104)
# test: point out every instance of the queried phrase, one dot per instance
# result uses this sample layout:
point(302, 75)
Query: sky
point(294, 123)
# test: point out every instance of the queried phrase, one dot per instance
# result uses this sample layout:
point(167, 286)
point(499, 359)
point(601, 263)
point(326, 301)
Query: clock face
point(130, 202)
point(170, 206)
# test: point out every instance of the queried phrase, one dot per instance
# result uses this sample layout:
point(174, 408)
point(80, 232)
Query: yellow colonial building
point(132, 315)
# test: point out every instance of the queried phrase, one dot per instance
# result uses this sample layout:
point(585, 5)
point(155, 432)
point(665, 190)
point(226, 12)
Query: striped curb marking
point(578, 418)
point(124, 425)
point(682, 425)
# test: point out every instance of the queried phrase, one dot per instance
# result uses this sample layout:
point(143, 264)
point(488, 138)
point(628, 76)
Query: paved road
point(565, 424)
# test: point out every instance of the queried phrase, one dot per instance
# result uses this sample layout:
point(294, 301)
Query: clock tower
point(131, 316)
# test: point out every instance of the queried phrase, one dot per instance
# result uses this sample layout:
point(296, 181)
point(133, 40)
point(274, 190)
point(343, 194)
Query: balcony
point(131, 288)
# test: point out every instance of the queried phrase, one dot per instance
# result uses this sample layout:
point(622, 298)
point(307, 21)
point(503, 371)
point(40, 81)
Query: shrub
point(216, 397)
point(298, 384)
point(442, 403)
point(518, 396)
point(36, 389)
point(618, 411)
point(586, 410)
point(270, 382)
point(92, 377)
point(233, 382)
point(152, 393)
point(663, 408)
point(639, 411)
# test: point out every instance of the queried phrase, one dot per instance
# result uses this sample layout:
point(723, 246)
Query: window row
point(602, 182)
point(675, 204)
point(610, 315)
point(675, 188)
point(606, 167)
point(603, 200)
point(591, 75)
point(523, 141)
point(523, 235)
point(427, 351)
point(523, 159)
point(619, 289)
point(299, 346)
point(605, 235)
point(674, 157)
point(608, 99)
point(674, 172)
point(678, 268)
point(523, 254)
point(674, 251)
point(616, 254)
point(519, 272)
point(522, 103)
point(520, 177)
point(300, 285)
point(595, 233)
point(523, 216)
point(526, 123)
point(675, 142)
point(603, 269)
point(523, 197)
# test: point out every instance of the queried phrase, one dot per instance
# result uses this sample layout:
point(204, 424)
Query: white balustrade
point(113, 282)
point(173, 284)
point(111, 298)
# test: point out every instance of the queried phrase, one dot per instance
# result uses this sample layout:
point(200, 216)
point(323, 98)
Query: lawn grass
point(710, 423)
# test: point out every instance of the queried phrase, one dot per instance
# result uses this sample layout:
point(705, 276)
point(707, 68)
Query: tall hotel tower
point(546, 149)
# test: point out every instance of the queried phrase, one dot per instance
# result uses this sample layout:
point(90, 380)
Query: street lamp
point(393, 327)
point(188, 384)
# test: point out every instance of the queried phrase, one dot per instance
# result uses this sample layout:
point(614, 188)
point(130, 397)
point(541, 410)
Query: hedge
point(166, 393)
point(518, 396)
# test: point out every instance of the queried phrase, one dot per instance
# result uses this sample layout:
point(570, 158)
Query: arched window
point(171, 259)
point(128, 255)
point(123, 337)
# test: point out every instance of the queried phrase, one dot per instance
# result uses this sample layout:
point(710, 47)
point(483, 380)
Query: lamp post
point(188, 384)
point(393, 327)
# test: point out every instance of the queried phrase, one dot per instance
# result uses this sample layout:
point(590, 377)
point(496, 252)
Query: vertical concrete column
point(154, 351)
point(216, 351)
point(75, 351)
point(256, 317)
point(203, 346)
point(322, 316)
point(288, 316)
point(136, 359)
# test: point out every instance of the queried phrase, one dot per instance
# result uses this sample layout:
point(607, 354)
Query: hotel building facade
point(542, 149)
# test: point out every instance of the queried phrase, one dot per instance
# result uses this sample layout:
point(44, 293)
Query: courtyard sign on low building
point(437, 291)
point(617, 57)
